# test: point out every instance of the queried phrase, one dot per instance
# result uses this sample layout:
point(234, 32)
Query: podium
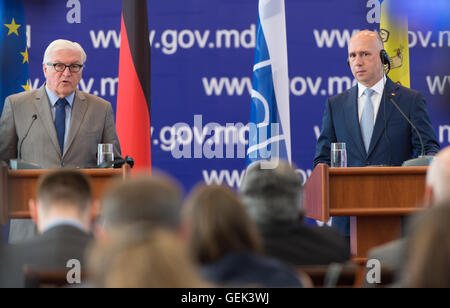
point(18, 186)
point(375, 198)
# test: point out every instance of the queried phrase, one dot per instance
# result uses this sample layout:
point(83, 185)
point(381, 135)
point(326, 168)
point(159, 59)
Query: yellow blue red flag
point(394, 33)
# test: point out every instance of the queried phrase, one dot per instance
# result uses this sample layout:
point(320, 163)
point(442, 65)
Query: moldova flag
point(133, 96)
point(394, 33)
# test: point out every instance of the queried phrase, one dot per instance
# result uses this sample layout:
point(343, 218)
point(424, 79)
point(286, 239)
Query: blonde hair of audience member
point(143, 257)
point(438, 178)
point(428, 265)
point(218, 224)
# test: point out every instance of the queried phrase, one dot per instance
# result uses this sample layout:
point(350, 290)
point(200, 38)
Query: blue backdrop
point(202, 60)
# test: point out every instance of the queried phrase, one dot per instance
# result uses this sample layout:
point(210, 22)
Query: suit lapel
point(43, 108)
point(78, 111)
point(351, 119)
point(384, 113)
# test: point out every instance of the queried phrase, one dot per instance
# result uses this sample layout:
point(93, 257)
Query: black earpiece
point(384, 59)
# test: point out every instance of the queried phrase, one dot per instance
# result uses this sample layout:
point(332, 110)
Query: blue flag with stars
point(13, 57)
point(13, 50)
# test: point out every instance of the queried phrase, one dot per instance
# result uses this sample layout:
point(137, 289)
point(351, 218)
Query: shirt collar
point(53, 98)
point(378, 87)
point(64, 222)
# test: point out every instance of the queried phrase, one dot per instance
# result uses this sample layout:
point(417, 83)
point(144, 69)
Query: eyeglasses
point(61, 67)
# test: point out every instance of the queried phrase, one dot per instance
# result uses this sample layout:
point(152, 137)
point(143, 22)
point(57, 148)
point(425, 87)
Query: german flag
point(133, 96)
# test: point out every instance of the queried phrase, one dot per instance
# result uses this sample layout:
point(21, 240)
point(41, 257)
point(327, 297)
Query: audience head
point(63, 194)
point(152, 200)
point(438, 178)
point(218, 224)
point(272, 195)
point(429, 249)
point(140, 256)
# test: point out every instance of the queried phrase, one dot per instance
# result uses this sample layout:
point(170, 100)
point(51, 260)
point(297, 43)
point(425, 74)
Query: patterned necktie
point(367, 119)
point(60, 121)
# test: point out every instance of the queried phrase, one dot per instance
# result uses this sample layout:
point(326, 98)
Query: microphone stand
point(19, 163)
point(422, 160)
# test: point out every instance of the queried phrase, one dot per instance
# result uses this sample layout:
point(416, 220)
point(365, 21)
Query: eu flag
point(13, 55)
point(13, 50)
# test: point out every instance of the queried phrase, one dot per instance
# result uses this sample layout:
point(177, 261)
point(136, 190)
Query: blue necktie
point(367, 119)
point(60, 122)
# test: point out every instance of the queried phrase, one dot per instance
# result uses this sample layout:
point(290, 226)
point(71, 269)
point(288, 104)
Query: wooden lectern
point(375, 198)
point(18, 186)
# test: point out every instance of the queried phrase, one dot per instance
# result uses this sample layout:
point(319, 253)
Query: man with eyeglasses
point(57, 125)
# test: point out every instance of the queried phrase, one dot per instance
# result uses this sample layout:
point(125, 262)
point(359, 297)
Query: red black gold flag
point(133, 96)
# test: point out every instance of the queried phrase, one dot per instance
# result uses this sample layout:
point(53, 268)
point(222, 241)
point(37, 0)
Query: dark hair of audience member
point(148, 199)
point(64, 187)
point(219, 223)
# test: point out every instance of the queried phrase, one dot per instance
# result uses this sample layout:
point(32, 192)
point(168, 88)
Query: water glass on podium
point(338, 155)
point(105, 153)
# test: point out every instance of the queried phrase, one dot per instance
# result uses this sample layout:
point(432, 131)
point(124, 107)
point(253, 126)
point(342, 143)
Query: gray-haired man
point(273, 200)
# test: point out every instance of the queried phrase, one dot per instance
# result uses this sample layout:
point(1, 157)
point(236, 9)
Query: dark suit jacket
point(393, 140)
point(91, 123)
point(249, 270)
point(299, 244)
point(49, 251)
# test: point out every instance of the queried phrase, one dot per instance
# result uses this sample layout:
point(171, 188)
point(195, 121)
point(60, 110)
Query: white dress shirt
point(376, 98)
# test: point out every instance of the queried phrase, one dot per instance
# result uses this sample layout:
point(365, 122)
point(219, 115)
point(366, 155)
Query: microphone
point(34, 117)
point(17, 164)
point(422, 160)
point(117, 163)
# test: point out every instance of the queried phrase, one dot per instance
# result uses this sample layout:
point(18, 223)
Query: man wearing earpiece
point(374, 131)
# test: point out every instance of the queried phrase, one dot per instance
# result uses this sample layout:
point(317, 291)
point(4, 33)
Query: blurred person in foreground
point(429, 249)
point(272, 198)
point(154, 200)
point(226, 244)
point(150, 201)
point(393, 255)
point(63, 213)
point(141, 256)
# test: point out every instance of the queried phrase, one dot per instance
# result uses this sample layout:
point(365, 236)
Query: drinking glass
point(105, 153)
point(338, 155)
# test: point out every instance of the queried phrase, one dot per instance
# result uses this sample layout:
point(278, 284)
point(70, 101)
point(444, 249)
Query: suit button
point(62, 164)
